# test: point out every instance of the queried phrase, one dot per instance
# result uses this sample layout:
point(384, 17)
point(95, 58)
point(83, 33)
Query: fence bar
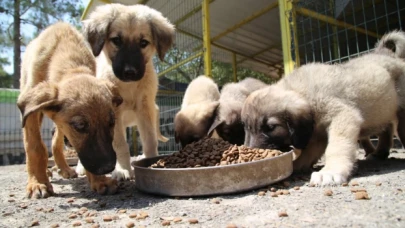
point(206, 37)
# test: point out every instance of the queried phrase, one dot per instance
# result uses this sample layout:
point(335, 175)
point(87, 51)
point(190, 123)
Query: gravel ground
point(75, 205)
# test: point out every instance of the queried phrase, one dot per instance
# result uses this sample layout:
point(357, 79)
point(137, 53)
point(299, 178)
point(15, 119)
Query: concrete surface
point(306, 207)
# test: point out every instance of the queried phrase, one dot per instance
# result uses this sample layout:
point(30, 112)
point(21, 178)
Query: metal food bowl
point(215, 180)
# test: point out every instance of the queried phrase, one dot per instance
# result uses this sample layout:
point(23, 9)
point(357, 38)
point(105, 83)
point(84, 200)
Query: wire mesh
point(350, 28)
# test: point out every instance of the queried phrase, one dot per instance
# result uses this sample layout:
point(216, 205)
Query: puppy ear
point(163, 34)
point(41, 97)
point(116, 96)
point(95, 28)
point(301, 129)
point(214, 125)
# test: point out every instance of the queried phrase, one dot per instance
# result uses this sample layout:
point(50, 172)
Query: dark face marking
point(128, 63)
point(233, 133)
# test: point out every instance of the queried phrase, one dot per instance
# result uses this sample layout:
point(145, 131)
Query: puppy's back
point(252, 84)
point(201, 89)
point(60, 48)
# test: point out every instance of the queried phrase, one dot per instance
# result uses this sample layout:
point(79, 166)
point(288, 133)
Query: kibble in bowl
point(211, 167)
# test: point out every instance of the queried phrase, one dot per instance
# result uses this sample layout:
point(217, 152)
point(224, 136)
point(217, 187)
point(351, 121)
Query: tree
point(35, 15)
point(6, 80)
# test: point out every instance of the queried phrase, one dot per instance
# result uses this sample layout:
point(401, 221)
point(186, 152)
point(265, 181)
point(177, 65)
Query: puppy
point(322, 108)
point(391, 44)
point(125, 39)
point(228, 122)
point(196, 115)
point(58, 80)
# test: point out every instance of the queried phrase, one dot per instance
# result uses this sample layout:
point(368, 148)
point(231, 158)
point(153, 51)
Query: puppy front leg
point(341, 152)
point(101, 184)
point(38, 185)
point(123, 168)
point(57, 150)
point(147, 129)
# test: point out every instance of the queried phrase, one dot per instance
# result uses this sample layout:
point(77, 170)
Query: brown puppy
point(228, 122)
point(125, 39)
point(58, 80)
point(391, 44)
point(321, 108)
point(196, 115)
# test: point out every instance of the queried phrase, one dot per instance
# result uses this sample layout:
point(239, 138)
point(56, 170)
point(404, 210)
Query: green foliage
point(35, 15)
point(6, 80)
point(221, 72)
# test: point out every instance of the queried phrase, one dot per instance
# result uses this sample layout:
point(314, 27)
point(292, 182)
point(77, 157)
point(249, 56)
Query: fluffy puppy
point(58, 79)
point(125, 39)
point(391, 44)
point(227, 121)
point(196, 115)
point(324, 109)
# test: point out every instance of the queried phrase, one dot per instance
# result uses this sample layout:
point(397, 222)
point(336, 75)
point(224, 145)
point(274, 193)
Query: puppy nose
point(130, 71)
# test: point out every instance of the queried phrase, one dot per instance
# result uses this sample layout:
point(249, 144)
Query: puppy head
point(275, 118)
point(83, 109)
point(228, 123)
point(192, 123)
point(129, 36)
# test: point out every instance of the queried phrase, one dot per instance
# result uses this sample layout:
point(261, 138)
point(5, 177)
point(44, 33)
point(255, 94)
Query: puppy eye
point(116, 41)
point(269, 128)
point(144, 43)
point(79, 124)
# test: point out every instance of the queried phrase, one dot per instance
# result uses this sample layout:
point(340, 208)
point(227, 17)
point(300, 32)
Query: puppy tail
point(159, 134)
point(393, 44)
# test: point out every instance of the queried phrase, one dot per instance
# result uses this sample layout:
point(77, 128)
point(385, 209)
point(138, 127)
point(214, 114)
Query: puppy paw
point(103, 185)
point(36, 190)
point(122, 174)
point(323, 178)
point(80, 169)
point(67, 173)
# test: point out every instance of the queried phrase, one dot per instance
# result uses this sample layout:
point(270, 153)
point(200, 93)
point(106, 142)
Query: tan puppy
point(58, 80)
point(322, 108)
point(125, 39)
point(228, 122)
point(197, 111)
point(391, 44)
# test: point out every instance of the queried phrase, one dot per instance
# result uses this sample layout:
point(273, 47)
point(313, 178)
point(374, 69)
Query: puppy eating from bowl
point(325, 109)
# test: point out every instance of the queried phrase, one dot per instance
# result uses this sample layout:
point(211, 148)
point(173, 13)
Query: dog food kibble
point(11, 200)
point(142, 215)
point(72, 216)
point(286, 192)
point(193, 221)
point(273, 189)
point(286, 184)
point(273, 194)
point(345, 184)
point(215, 200)
point(133, 215)
point(107, 218)
point(89, 220)
point(328, 192)
point(355, 183)
point(311, 185)
point(55, 225)
point(35, 223)
point(95, 225)
point(23, 206)
point(261, 193)
point(165, 223)
point(76, 223)
point(282, 214)
point(378, 184)
point(231, 225)
point(129, 224)
point(297, 188)
point(70, 200)
point(123, 211)
point(49, 210)
point(213, 152)
point(177, 219)
point(361, 196)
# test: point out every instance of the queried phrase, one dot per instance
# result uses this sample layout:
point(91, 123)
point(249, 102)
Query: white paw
point(80, 169)
point(122, 174)
point(328, 178)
